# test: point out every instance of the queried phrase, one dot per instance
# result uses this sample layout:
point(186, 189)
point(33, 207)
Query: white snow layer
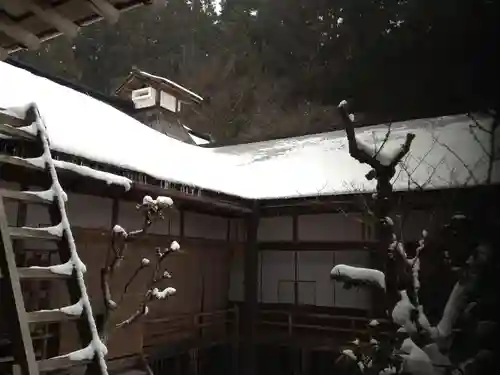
point(83, 170)
point(358, 273)
point(167, 81)
point(303, 166)
point(165, 293)
point(401, 314)
point(415, 361)
point(350, 354)
point(198, 140)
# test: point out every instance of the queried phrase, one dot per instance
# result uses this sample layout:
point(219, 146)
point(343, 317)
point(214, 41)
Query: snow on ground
point(294, 167)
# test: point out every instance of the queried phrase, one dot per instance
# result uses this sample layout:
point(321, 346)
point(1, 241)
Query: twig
point(474, 135)
point(464, 164)
point(357, 153)
point(386, 138)
point(478, 125)
point(361, 155)
point(150, 291)
point(152, 210)
point(130, 280)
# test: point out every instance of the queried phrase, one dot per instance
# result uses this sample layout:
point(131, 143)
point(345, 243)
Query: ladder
point(30, 127)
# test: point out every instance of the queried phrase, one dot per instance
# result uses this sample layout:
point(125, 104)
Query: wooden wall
point(200, 273)
point(303, 276)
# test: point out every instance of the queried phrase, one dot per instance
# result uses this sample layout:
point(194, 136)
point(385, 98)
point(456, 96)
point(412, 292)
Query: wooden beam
point(18, 33)
point(295, 239)
point(250, 307)
point(3, 54)
point(181, 198)
point(106, 10)
point(29, 273)
point(182, 221)
point(115, 212)
point(18, 162)
point(52, 17)
point(8, 118)
point(315, 245)
point(13, 300)
point(15, 132)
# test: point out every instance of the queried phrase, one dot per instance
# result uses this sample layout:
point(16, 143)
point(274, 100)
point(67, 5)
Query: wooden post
point(181, 224)
point(296, 359)
point(295, 229)
point(193, 361)
point(235, 342)
point(305, 365)
point(250, 287)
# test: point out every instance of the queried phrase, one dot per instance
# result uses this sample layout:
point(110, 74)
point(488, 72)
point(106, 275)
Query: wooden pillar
point(295, 229)
point(235, 347)
point(250, 293)
point(295, 359)
point(18, 245)
point(305, 361)
point(194, 361)
point(182, 218)
point(115, 212)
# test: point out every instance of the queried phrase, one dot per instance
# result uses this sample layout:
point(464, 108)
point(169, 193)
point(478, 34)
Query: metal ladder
point(71, 269)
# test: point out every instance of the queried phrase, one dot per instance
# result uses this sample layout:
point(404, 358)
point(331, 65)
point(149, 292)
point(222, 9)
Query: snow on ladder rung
point(18, 162)
point(6, 117)
point(45, 233)
point(34, 197)
point(56, 315)
point(16, 132)
point(59, 363)
point(49, 316)
point(39, 273)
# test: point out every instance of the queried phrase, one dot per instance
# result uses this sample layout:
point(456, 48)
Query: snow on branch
point(152, 210)
point(358, 276)
point(380, 160)
point(416, 361)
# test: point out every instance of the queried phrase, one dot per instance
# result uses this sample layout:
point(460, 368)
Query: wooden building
point(26, 24)
point(159, 102)
point(261, 224)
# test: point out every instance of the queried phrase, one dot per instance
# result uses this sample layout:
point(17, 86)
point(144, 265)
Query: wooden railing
point(305, 323)
point(224, 325)
point(211, 326)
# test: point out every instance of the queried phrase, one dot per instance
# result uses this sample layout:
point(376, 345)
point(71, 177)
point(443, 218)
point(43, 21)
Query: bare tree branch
point(478, 125)
point(464, 164)
point(152, 211)
point(360, 154)
point(363, 156)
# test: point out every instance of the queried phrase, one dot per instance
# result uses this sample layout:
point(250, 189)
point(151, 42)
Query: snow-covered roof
point(196, 137)
point(138, 77)
point(171, 83)
point(198, 140)
point(294, 167)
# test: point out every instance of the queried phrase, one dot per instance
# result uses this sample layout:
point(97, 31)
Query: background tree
point(273, 69)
